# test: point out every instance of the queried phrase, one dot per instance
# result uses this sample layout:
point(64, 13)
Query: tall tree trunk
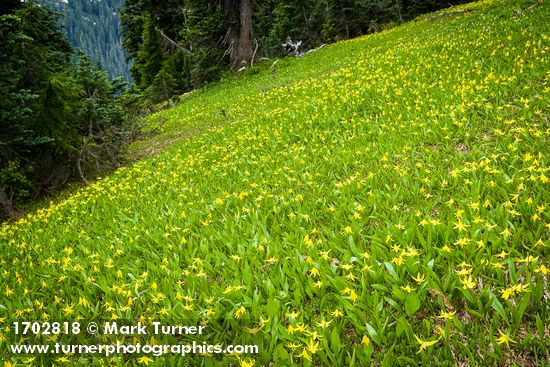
point(232, 35)
point(6, 205)
point(243, 54)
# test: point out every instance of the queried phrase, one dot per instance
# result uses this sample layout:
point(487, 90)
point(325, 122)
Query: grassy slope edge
point(382, 200)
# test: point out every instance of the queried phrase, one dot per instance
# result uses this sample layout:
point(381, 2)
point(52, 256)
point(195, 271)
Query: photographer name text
point(156, 328)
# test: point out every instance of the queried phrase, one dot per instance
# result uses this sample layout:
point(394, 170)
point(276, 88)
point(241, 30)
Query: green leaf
point(475, 313)
point(272, 307)
point(540, 326)
point(335, 341)
point(497, 306)
point(280, 353)
point(402, 326)
point(391, 302)
point(391, 270)
point(412, 303)
point(380, 287)
point(431, 264)
point(518, 312)
point(373, 334)
point(468, 295)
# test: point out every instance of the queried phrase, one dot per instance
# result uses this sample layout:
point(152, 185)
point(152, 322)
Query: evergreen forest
point(178, 45)
point(94, 28)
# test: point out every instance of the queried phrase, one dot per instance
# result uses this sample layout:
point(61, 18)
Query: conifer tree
point(150, 56)
point(45, 105)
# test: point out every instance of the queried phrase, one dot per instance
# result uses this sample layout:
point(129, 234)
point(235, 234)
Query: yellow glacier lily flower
point(424, 344)
point(504, 339)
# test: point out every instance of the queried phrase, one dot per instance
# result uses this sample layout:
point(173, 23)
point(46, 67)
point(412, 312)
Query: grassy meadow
point(380, 201)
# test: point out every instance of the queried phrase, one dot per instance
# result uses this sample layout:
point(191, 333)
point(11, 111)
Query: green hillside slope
point(381, 201)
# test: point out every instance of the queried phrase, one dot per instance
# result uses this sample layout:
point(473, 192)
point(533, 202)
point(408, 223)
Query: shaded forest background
point(178, 45)
point(94, 28)
point(64, 118)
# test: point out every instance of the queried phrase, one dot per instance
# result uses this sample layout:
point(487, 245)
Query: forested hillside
point(178, 45)
point(93, 26)
point(61, 118)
